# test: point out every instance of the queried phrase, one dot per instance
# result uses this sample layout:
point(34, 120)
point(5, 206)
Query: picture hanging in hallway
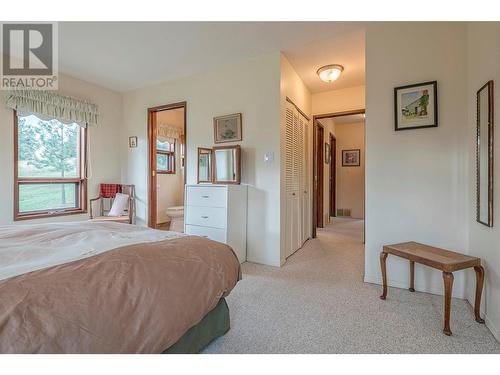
point(350, 158)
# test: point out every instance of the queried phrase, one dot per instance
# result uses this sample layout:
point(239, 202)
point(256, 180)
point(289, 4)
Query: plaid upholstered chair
point(120, 210)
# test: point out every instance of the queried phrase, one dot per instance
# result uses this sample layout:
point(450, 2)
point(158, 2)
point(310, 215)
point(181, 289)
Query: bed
point(104, 287)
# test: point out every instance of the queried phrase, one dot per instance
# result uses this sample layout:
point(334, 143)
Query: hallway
point(318, 303)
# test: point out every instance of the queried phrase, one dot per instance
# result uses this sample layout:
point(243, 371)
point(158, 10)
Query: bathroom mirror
point(227, 164)
point(484, 154)
point(204, 164)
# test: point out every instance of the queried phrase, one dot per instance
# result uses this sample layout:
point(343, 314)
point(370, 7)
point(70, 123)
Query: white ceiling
point(126, 55)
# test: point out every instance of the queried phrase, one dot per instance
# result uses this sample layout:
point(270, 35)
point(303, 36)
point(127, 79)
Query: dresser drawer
point(207, 196)
point(214, 217)
point(215, 234)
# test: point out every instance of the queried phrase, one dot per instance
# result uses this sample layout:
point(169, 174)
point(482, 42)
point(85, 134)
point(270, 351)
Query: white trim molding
point(457, 293)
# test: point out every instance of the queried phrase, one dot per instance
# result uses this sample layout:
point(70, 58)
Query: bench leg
point(383, 257)
point(448, 287)
point(479, 290)
point(412, 276)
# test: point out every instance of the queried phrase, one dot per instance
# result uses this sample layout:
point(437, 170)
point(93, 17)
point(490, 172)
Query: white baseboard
point(494, 329)
point(418, 287)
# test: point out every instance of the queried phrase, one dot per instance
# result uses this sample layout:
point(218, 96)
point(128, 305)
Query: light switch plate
point(269, 157)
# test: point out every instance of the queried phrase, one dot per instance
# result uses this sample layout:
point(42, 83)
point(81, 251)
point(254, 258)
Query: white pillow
point(119, 205)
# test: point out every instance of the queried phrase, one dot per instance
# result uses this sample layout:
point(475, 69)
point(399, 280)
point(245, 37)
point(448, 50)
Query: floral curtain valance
point(48, 104)
point(166, 131)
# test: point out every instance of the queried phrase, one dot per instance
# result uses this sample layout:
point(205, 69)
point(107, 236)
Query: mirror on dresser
point(204, 165)
point(485, 155)
point(227, 165)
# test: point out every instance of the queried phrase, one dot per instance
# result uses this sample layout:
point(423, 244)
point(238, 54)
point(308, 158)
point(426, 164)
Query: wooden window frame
point(170, 155)
point(80, 182)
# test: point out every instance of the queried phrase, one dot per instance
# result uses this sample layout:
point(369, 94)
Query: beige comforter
point(139, 298)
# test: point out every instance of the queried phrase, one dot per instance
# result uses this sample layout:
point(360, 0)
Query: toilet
point(177, 215)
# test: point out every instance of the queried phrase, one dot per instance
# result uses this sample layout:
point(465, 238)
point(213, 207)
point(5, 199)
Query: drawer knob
point(204, 217)
point(205, 196)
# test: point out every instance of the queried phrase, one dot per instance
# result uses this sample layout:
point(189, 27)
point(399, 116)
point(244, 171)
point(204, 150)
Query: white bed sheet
point(27, 248)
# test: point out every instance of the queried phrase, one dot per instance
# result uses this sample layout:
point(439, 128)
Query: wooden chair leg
point(448, 287)
point(479, 290)
point(412, 276)
point(383, 258)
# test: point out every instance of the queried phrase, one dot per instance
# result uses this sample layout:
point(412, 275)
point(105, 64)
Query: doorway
point(338, 185)
point(166, 166)
point(333, 175)
point(318, 182)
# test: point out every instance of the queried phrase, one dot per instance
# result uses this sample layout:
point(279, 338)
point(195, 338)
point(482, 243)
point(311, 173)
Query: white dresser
point(218, 212)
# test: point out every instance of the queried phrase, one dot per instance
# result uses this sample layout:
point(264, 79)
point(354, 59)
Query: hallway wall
point(351, 180)
point(483, 65)
point(416, 180)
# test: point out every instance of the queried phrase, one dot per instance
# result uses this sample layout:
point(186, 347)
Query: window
point(49, 168)
point(165, 156)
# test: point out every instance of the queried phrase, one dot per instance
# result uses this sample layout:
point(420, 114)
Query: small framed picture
point(351, 158)
point(227, 128)
point(132, 142)
point(415, 106)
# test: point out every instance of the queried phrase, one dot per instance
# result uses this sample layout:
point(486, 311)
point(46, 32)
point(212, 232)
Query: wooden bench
point(444, 260)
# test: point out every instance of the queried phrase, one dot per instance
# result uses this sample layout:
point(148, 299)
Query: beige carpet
point(318, 303)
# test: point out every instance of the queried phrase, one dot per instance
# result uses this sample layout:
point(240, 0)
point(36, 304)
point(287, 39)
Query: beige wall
point(338, 100)
point(415, 179)
point(291, 86)
point(170, 187)
point(250, 87)
point(351, 180)
point(483, 64)
point(105, 140)
point(333, 102)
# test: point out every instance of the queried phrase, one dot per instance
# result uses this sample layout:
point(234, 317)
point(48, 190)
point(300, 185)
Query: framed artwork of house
point(416, 106)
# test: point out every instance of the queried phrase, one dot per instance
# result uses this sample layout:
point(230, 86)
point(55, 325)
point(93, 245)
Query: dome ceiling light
point(330, 73)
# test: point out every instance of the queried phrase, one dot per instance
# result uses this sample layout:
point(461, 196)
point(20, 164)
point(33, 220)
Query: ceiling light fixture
point(330, 73)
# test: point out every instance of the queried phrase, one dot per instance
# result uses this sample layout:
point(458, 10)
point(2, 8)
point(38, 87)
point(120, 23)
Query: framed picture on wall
point(415, 106)
point(351, 158)
point(227, 128)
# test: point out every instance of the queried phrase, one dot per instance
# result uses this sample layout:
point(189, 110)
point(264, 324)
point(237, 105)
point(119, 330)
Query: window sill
point(45, 215)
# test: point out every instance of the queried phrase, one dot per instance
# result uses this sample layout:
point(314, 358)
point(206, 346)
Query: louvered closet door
point(297, 172)
point(289, 248)
point(296, 181)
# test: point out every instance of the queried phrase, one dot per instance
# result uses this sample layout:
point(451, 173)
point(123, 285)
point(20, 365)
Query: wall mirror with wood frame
point(204, 165)
point(227, 164)
point(484, 155)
